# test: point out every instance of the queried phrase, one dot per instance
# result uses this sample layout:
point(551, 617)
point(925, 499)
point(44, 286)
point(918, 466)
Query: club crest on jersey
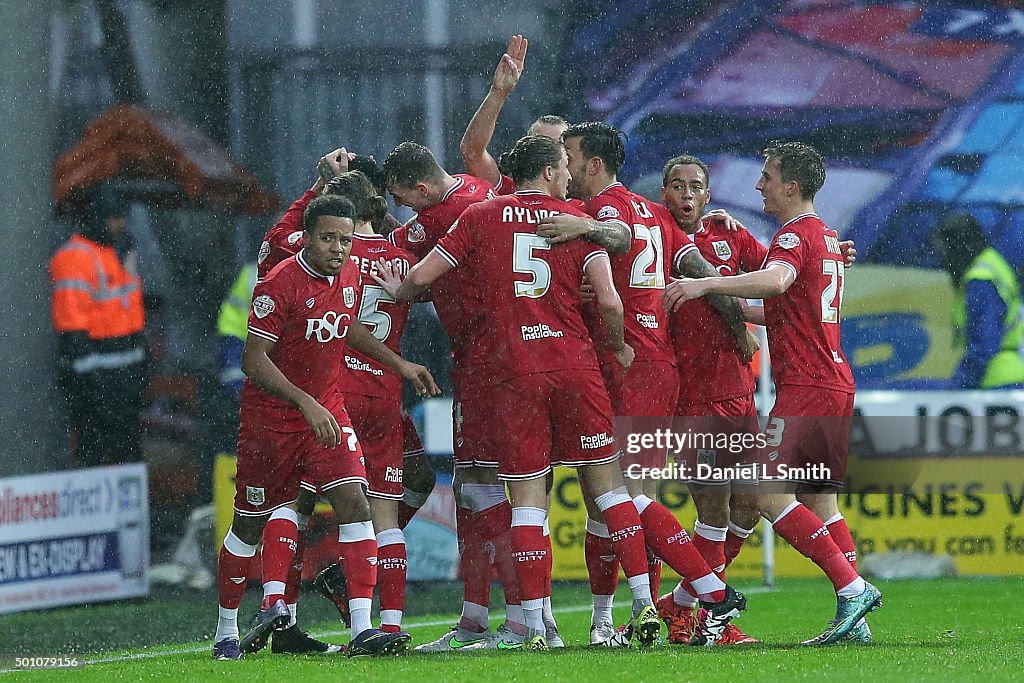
point(416, 232)
point(263, 306)
point(264, 252)
point(607, 212)
point(294, 237)
point(310, 302)
point(350, 296)
point(255, 495)
point(789, 241)
point(722, 249)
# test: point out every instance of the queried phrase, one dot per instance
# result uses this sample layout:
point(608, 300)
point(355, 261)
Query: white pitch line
point(424, 624)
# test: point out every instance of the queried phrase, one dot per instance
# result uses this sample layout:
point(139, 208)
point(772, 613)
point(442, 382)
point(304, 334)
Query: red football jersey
point(642, 272)
point(285, 238)
point(533, 317)
point(381, 314)
point(710, 366)
point(456, 295)
point(307, 316)
point(803, 323)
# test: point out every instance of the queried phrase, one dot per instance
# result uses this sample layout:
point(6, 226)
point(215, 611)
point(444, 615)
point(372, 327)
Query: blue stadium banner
point(989, 25)
point(74, 537)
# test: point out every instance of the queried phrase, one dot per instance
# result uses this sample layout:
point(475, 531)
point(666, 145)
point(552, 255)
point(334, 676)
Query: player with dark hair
point(293, 426)
point(655, 248)
point(801, 283)
point(716, 390)
point(373, 391)
point(416, 180)
point(551, 405)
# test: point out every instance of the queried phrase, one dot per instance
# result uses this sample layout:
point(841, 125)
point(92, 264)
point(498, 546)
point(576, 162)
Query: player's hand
point(681, 290)
point(387, 276)
point(420, 378)
point(849, 252)
point(333, 164)
point(749, 346)
point(510, 66)
point(587, 293)
point(625, 357)
point(722, 216)
point(563, 228)
point(325, 426)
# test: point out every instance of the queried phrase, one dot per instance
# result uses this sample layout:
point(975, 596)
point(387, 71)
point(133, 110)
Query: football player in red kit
point(801, 282)
point(293, 426)
point(542, 370)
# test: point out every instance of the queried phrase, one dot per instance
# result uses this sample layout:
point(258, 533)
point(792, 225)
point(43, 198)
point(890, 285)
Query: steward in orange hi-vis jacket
point(98, 316)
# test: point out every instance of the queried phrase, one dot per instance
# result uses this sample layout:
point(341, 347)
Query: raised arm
point(480, 130)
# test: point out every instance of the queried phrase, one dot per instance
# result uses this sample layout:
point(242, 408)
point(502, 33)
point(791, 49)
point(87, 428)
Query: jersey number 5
point(378, 322)
point(832, 295)
point(524, 261)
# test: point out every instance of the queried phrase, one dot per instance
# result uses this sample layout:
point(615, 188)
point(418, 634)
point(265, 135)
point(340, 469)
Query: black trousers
point(103, 409)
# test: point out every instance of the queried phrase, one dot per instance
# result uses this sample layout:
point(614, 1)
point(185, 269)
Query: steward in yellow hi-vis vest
point(987, 307)
point(232, 327)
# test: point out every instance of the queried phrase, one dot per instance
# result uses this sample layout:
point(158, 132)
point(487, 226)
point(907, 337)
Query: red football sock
point(672, 544)
point(529, 551)
point(654, 572)
point(710, 543)
point(627, 536)
point(358, 558)
point(493, 525)
point(809, 535)
point(549, 563)
point(474, 564)
point(602, 562)
point(279, 542)
point(391, 578)
point(840, 533)
point(734, 541)
point(232, 571)
point(294, 581)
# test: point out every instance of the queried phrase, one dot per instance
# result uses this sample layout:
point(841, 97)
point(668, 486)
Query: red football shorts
point(378, 422)
point(551, 418)
point(473, 419)
point(647, 390)
point(809, 427)
point(728, 419)
point(272, 465)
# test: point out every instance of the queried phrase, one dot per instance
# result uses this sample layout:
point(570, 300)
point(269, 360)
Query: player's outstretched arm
point(258, 367)
point(612, 235)
point(360, 339)
point(480, 130)
point(761, 284)
point(609, 306)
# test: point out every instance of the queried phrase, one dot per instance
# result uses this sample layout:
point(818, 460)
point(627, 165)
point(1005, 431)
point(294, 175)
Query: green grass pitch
point(947, 630)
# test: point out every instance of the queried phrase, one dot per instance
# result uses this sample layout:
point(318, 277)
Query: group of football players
point(568, 299)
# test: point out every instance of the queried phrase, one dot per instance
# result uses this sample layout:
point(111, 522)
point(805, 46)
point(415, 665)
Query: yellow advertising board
point(983, 532)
